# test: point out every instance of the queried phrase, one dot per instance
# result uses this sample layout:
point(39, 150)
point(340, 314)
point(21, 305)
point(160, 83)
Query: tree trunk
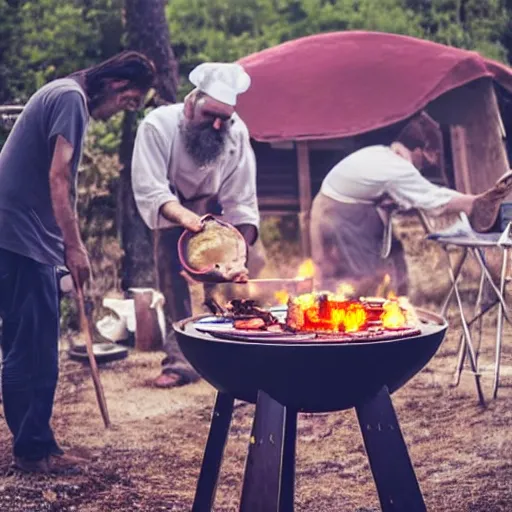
point(137, 268)
point(148, 33)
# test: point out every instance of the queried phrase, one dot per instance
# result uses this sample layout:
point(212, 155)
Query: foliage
point(225, 30)
point(44, 39)
point(52, 38)
point(471, 24)
point(97, 199)
point(9, 19)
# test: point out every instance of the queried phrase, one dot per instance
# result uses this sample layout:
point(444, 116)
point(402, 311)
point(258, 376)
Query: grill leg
point(270, 468)
point(391, 466)
point(288, 471)
point(212, 459)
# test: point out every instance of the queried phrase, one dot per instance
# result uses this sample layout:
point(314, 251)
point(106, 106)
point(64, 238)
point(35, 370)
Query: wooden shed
point(316, 99)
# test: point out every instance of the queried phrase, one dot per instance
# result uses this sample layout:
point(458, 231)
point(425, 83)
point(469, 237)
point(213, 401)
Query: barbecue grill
point(289, 373)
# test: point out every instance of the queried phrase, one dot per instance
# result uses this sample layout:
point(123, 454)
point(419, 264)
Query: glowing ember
point(392, 317)
point(350, 317)
point(332, 313)
point(341, 312)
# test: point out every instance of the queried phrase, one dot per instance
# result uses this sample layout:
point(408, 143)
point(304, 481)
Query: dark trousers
point(174, 287)
point(170, 281)
point(29, 309)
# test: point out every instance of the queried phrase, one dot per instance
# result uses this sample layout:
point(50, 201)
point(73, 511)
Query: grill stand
point(270, 468)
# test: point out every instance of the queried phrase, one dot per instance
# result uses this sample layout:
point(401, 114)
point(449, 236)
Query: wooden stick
point(86, 332)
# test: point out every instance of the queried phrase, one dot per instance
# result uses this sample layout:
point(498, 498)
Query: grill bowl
point(310, 376)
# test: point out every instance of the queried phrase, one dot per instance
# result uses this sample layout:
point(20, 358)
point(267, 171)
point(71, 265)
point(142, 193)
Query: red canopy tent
point(316, 94)
point(345, 83)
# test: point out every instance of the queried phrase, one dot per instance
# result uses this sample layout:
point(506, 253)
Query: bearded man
point(190, 159)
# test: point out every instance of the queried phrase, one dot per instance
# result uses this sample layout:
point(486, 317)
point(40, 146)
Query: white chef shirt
point(365, 175)
point(161, 166)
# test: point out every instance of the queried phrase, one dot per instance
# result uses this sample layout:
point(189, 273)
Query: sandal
point(175, 377)
point(167, 381)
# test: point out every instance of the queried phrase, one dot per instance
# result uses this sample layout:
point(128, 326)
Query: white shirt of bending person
point(365, 175)
point(161, 166)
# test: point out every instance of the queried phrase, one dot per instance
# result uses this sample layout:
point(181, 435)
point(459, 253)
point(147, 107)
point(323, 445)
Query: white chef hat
point(220, 80)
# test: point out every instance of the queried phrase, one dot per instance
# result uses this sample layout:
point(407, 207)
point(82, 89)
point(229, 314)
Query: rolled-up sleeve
point(150, 180)
point(237, 194)
point(411, 190)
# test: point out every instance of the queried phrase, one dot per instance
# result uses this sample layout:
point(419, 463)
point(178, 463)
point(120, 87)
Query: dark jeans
point(29, 308)
point(172, 284)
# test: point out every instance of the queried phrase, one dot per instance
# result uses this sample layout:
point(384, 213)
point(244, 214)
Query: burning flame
point(350, 318)
point(341, 312)
point(392, 316)
point(281, 296)
point(306, 269)
point(306, 301)
point(330, 313)
point(327, 313)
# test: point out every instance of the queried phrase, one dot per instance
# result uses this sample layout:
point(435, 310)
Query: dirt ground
point(150, 459)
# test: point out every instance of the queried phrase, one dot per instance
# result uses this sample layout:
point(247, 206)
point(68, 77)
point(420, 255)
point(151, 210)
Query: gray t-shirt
point(27, 221)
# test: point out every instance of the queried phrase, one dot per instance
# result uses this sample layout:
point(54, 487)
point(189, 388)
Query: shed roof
point(340, 84)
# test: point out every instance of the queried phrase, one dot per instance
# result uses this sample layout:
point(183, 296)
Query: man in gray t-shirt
point(27, 221)
point(39, 231)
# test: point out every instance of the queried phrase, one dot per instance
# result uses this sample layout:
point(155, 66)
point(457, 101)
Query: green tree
point(45, 39)
point(9, 19)
point(226, 30)
point(147, 32)
point(471, 24)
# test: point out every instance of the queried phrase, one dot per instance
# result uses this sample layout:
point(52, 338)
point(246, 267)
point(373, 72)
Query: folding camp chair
point(474, 243)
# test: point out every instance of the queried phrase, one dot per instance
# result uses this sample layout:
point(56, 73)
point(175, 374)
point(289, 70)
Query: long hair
point(128, 65)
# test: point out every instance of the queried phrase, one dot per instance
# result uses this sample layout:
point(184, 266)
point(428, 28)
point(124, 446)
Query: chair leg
point(467, 338)
point(497, 291)
point(499, 326)
point(389, 459)
point(456, 273)
point(477, 317)
point(214, 450)
point(478, 308)
point(266, 472)
point(461, 357)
